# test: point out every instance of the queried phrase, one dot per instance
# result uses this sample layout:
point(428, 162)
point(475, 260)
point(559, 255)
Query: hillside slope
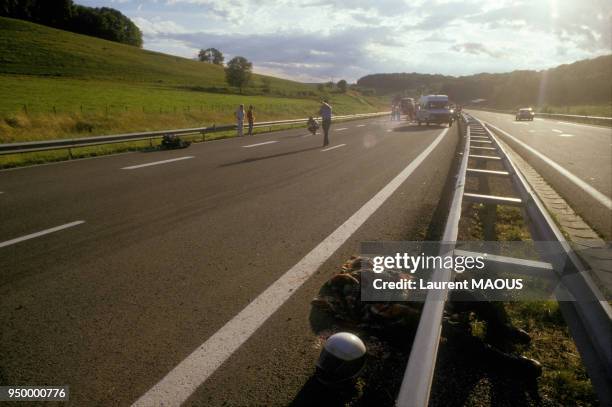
point(32, 49)
point(55, 84)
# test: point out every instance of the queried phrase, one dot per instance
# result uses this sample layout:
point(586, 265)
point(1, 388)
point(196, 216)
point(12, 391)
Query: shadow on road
point(249, 160)
point(416, 129)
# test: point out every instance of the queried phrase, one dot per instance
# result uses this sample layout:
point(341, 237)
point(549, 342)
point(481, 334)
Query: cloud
point(476, 48)
point(338, 54)
point(319, 39)
point(587, 23)
point(157, 27)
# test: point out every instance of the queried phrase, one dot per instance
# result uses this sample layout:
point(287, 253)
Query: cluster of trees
point(341, 86)
point(211, 56)
point(583, 82)
point(106, 23)
point(238, 70)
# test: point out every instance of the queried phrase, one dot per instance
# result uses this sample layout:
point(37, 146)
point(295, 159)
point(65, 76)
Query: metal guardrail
point(418, 376)
point(606, 121)
point(588, 316)
point(34, 146)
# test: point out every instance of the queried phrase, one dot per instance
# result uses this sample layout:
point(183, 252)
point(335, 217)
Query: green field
point(57, 84)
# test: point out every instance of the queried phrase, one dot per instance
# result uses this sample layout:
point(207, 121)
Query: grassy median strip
point(564, 380)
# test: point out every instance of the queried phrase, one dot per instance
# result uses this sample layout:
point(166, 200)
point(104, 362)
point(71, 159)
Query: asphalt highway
point(115, 269)
point(583, 157)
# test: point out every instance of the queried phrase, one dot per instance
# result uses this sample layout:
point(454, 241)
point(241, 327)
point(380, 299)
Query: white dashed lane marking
point(133, 167)
point(41, 233)
point(260, 144)
point(334, 147)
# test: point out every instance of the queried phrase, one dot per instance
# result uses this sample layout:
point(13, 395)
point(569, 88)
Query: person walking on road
point(251, 119)
point(240, 120)
point(326, 115)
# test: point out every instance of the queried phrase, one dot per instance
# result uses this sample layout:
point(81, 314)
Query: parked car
point(434, 109)
point(525, 113)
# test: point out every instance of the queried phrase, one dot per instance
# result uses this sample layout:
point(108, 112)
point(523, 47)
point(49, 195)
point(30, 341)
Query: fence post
point(25, 109)
point(54, 111)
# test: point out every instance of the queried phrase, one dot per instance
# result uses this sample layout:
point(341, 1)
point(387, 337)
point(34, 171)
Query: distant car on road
point(434, 109)
point(525, 114)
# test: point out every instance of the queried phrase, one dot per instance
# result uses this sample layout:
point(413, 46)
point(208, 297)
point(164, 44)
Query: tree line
point(104, 22)
point(583, 82)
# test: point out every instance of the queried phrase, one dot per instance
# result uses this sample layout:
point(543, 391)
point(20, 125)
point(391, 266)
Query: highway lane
point(582, 150)
point(168, 253)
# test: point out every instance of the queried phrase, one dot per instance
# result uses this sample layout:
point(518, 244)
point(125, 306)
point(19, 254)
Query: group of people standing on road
point(325, 111)
point(250, 116)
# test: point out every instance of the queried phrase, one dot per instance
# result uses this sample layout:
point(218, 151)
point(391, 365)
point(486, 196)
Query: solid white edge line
point(595, 194)
point(178, 385)
point(260, 144)
point(133, 167)
point(334, 147)
point(41, 233)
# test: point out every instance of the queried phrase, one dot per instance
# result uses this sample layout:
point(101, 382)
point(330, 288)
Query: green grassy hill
point(55, 83)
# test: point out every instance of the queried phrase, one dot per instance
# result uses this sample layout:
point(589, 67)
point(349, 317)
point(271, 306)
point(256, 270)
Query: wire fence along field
point(109, 109)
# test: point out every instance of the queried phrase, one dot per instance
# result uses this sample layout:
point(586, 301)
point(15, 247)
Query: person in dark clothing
point(326, 115)
point(251, 119)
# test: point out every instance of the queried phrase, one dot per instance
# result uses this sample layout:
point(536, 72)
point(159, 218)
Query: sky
point(322, 40)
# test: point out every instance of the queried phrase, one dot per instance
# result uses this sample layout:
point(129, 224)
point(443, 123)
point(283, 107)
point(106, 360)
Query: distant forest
point(583, 82)
point(106, 23)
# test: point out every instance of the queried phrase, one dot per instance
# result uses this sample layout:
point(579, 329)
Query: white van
point(434, 109)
